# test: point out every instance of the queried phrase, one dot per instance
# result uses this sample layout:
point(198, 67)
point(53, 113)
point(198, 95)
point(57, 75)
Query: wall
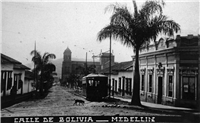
point(122, 75)
point(27, 86)
point(149, 65)
point(22, 72)
point(6, 67)
point(9, 67)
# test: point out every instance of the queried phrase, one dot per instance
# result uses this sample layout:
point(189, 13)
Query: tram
point(95, 86)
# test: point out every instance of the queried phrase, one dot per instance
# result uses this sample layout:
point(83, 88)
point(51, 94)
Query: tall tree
point(42, 66)
point(136, 29)
point(48, 75)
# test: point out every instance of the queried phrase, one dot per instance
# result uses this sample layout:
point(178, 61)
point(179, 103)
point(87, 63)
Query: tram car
point(95, 86)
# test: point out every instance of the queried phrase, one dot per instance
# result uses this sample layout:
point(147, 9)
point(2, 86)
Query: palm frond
point(150, 9)
point(36, 53)
point(36, 56)
point(121, 17)
point(112, 7)
point(139, 28)
point(117, 32)
point(48, 56)
point(161, 24)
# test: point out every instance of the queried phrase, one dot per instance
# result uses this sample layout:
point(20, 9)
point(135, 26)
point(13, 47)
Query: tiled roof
point(20, 66)
point(6, 59)
point(123, 66)
point(17, 65)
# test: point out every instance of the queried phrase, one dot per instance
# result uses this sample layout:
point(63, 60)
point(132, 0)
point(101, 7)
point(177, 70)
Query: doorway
point(160, 85)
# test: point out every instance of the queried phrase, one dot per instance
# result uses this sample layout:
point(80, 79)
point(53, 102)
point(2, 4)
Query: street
point(59, 102)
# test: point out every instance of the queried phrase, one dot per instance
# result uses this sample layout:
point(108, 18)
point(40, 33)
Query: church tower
point(66, 65)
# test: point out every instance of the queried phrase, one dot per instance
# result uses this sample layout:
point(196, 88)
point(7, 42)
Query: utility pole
point(35, 74)
point(93, 59)
point(86, 64)
point(110, 69)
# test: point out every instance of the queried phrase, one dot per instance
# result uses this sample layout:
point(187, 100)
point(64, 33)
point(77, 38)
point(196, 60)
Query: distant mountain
point(58, 64)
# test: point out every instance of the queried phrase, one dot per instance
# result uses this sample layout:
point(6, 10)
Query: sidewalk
point(157, 106)
point(154, 105)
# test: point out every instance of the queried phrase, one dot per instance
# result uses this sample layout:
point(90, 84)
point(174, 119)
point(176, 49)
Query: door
point(189, 87)
point(160, 84)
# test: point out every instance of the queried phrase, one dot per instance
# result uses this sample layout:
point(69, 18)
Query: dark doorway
point(160, 82)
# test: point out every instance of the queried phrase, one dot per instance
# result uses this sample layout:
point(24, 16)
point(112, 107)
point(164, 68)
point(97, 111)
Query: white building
point(169, 73)
point(13, 76)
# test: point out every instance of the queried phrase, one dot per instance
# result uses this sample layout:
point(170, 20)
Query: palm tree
point(42, 66)
point(136, 29)
point(48, 75)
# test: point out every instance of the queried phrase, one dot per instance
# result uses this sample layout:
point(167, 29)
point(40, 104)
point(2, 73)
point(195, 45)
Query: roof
point(122, 66)
point(17, 65)
point(7, 59)
point(67, 50)
point(95, 75)
point(189, 40)
point(20, 66)
point(84, 62)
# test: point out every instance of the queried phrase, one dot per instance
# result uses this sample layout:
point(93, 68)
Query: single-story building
point(13, 77)
point(169, 72)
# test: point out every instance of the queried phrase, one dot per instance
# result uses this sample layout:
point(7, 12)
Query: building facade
point(13, 77)
point(69, 66)
point(169, 73)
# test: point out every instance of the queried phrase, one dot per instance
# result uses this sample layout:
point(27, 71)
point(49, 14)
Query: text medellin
point(133, 119)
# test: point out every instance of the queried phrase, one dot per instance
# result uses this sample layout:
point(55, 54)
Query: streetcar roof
point(95, 75)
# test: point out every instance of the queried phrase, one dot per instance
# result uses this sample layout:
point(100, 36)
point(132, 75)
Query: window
point(3, 81)
point(113, 84)
point(67, 69)
point(150, 83)
point(188, 87)
point(130, 85)
point(127, 85)
point(17, 78)
point(142, 83)
point(109, 84)
point(119, 84)
point(96, 83)
point(170, 86)
point(90, 82)
point(9, 85)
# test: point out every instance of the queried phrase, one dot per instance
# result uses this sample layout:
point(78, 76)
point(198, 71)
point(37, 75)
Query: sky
point(56, 25)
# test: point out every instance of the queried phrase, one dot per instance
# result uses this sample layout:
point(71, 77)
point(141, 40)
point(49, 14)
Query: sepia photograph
point(100, 61)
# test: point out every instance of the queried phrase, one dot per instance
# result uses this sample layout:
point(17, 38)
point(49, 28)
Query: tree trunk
point(136, 83)
point(41, 83)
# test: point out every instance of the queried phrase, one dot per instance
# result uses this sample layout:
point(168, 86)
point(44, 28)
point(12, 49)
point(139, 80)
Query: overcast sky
point(57, 25)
